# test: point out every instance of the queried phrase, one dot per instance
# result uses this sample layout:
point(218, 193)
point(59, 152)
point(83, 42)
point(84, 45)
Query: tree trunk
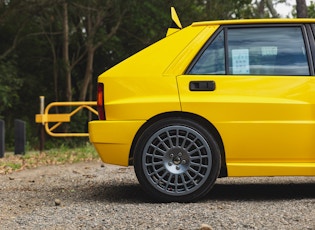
point(88, 72)
point(55, 74)
point(94, 20)
point(261, 9)
point(55, 65)
point(66, 52)
point(272, 10)
point(301, 9)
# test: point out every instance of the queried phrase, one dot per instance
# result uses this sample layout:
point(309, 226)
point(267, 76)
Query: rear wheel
point(176, 159)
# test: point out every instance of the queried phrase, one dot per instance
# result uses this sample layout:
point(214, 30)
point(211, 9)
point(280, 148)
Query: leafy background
point(58, 48)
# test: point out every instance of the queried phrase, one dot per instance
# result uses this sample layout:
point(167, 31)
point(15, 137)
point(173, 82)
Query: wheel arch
point(201, 120)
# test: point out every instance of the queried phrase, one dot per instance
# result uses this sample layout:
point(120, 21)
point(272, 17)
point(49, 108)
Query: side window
point(267, 51)
point(212, 60)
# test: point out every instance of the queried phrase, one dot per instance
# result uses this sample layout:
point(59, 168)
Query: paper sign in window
point(269, 50)
point(240, 61)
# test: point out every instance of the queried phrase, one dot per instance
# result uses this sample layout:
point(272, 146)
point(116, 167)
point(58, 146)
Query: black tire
point(176, 160)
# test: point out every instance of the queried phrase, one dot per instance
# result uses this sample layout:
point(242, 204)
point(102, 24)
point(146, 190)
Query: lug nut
point(183, 161)
point(177, 167)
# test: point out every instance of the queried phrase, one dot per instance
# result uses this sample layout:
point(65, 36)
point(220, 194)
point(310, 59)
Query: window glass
point(212, 60)
point(267, 51)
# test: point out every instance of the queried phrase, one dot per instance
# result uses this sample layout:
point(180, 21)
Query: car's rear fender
point(202, 121)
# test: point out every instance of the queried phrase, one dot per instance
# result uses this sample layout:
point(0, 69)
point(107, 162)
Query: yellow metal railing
point(45, 118)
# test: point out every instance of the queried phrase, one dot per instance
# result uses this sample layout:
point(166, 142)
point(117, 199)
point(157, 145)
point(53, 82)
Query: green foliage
point(60, 155)
point(12, 165)
point(65, 154)
point(311, 10)
point(9, 86)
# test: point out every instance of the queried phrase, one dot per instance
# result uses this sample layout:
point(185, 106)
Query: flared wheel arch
point(200, 120)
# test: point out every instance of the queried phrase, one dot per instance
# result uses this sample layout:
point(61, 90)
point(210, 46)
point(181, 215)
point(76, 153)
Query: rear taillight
point(100, 101)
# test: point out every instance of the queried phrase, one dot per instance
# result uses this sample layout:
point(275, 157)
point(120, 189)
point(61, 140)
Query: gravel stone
point(93, 195)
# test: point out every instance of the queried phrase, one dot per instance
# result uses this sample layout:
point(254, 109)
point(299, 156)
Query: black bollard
point(19, 136)
point(2, 138)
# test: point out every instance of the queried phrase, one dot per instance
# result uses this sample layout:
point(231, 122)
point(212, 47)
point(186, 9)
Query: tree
point(311, 10)
point(301, 9)
point(9, 86)
point(65, 52)
point(100, 21)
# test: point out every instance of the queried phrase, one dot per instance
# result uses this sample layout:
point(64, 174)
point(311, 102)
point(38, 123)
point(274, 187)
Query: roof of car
point(255, 21)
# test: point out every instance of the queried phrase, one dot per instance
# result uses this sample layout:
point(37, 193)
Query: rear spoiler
point(176, 25)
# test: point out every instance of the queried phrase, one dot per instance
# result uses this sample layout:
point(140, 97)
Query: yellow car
point(215, 99)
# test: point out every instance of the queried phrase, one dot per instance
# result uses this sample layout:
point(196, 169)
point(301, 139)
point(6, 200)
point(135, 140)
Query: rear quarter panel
point(145, 84)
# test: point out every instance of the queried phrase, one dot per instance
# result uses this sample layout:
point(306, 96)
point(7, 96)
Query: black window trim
point(308, 49)
point(226, 52)
point(202, 50)
point(305, 33)
point(310, 29)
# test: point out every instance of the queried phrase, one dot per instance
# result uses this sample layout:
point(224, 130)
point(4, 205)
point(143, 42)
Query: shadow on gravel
point(262, 192)
point(132, 193)
point(120, 193)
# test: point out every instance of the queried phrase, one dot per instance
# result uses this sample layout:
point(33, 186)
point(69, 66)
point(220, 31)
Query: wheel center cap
point(177, 160)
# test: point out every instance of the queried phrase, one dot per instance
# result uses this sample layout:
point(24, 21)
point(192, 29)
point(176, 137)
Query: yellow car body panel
point(135, 93)
point(277, 119)
point(112, 139)
point(255, 21)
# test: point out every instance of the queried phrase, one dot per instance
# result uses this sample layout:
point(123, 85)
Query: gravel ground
point(97, 196)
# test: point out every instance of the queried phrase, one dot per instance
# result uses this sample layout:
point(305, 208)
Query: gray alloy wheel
point(177, 160)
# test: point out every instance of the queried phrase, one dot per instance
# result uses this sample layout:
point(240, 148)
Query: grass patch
point(33, 159)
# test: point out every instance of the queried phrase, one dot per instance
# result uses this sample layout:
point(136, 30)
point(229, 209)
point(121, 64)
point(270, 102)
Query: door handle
point(202, 86)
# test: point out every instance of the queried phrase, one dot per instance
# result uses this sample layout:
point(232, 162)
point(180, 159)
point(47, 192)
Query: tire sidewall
point(138, 158)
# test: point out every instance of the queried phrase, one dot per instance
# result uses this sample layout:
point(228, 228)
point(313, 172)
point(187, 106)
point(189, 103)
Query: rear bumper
point(113, 139)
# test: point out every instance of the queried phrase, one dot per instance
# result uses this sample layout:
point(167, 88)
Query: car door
point(255, 84)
